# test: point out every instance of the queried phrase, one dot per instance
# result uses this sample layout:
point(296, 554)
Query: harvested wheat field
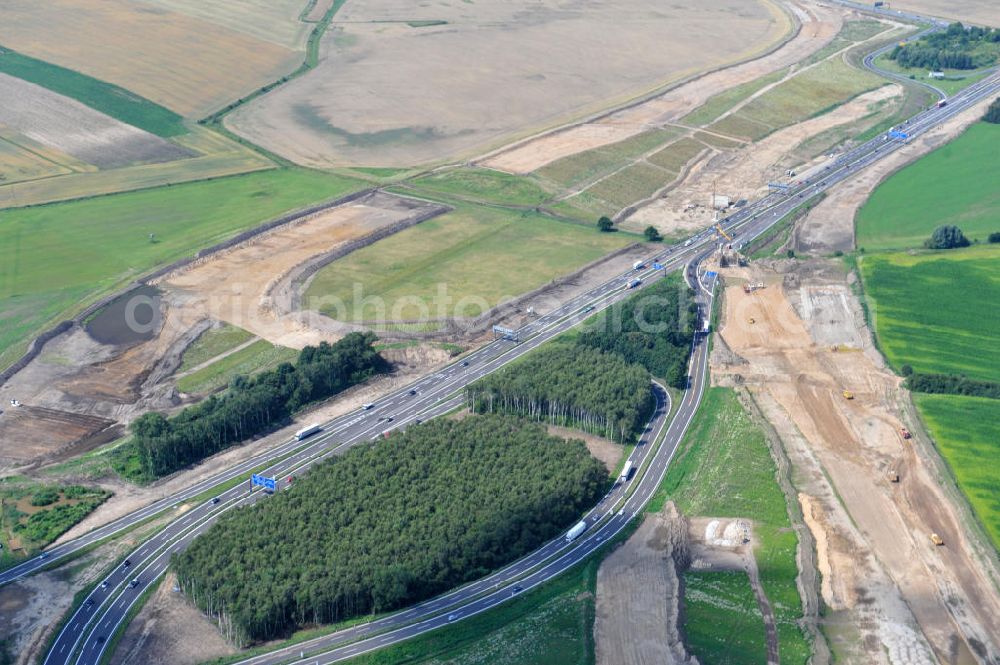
point(819, 25)
point(191, 66)
point(253, 285)
point(978, 12)
point(797, 345)
point(387, 91)
point(67, 126)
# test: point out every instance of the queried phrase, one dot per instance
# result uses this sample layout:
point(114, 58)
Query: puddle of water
point(134, 317)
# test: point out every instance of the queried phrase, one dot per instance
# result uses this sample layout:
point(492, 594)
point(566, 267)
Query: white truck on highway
point(638, 265)
point(307, 431)
point(576, 531)
point(626, 472)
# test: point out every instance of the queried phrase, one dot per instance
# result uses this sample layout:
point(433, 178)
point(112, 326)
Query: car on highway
point(367, 407)
point(465, 363)
point(43, 555)
point(104, 584)
point(126, 563)
point(101, 639)
point(215, 500)
point(412, 391)
point(90, 601)
point(134, 583)
point(452, 617)
point(516, 590)
point(588, 308)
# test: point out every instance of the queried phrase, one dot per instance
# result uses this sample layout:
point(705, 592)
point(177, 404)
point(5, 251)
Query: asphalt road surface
point(85, 636)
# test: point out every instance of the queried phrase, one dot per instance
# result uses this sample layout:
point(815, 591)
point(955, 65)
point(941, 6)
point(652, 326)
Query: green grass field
point(936, 311)
point(258, 356)
point(724, 469)
point(460, 263)
point(722, 624)
point(98, 95)
point(965, 430)
point(955, 184)
point(485, 185)
point(54, 259)
point(806, 95)
point(211, 343)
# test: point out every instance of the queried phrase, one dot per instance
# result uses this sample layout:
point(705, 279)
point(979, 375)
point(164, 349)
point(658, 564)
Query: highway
point(84, 637)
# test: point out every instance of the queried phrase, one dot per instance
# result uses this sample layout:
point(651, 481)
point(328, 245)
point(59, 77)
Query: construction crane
point(722, 232)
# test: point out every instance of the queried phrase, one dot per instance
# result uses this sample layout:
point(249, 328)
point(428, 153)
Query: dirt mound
point(879, 538)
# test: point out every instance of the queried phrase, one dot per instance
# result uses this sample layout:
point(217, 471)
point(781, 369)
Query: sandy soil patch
point(830, 225)
point(638, 595)
point(524, 65)
point(605, 451)
point(70, 127)
point(819, 25)
point(169, 629)
point(855, 442)
point(236, 285)
point(189, 65)
point(979, 12)
point(744, 173)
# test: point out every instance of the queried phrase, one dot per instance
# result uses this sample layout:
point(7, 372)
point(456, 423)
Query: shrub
point(605, 225)
point(995, 237)
point(946, 237)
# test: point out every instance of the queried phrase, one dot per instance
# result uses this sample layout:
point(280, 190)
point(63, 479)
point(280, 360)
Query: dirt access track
point(819, 25)
point(386, 91)
point(912, 602)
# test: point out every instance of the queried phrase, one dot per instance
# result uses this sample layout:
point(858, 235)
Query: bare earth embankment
point(386, 91)
point(894, 596)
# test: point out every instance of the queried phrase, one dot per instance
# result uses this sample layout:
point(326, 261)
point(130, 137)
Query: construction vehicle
point(722, 232)
point(848, 394)
point(892, 475)
point(936, 539)
point(905, 432)
point(751, 320)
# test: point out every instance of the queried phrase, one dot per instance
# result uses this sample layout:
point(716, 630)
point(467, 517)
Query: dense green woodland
point(252, 405)
point(570, 385)
point(954, 48)
point(653, 328)
point(993, 115)
point(389, 524)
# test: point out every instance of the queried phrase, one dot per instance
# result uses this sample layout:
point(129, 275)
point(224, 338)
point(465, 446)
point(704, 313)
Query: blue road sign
point(902, 136)
point(264, 481)
point(710, 275)
point(657, 266)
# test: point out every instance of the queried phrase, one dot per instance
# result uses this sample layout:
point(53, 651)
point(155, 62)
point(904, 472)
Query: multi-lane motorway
point(84, 637)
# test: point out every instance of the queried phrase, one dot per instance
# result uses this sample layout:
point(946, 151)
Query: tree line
point(389, 524)
point(993, 112)
point(252, 405)
point(570, 385)
point(654, 328)
point(951, 384)
point(954, 48)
